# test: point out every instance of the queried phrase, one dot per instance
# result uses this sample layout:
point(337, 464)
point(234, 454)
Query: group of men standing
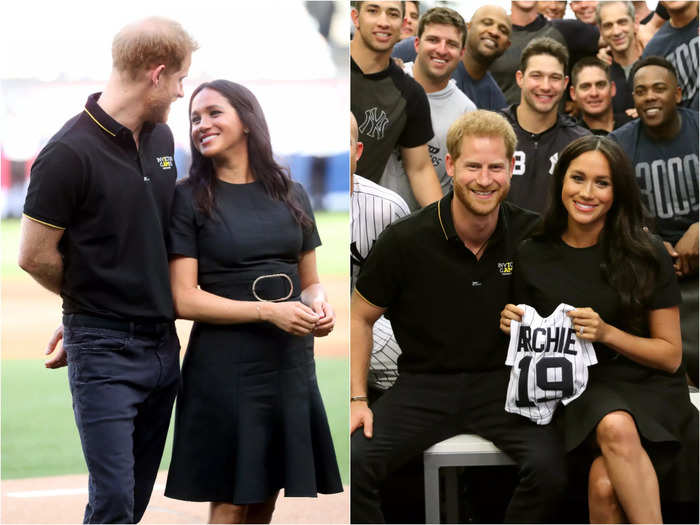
point(429, 274)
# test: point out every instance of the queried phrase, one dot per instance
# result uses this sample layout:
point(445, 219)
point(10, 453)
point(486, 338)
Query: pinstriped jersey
point(373, 209)
point(549, 363)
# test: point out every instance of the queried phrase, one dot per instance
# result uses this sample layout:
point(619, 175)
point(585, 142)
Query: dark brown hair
point(274, 178)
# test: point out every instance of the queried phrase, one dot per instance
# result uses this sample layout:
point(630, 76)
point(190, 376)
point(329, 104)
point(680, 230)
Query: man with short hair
point(592, 92)
point(452, 377)
point(618, 30)
point(94, 227)
point(580, 39)
point(390, 107)
point(553, 10)
point(677, 41)
point(663, 148)
point(584, 10)
point(439, 48)
point(542, 131)
point(409, 27)
point(488, 37)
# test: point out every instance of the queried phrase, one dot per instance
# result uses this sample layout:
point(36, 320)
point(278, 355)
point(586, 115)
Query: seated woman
point(249, 418)
point(593, 252)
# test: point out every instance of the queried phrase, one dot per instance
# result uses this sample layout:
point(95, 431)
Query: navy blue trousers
point(123, 385)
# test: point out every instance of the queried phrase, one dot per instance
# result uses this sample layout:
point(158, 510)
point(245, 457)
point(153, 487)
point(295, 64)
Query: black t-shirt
point(443, 303)
point(392, 110)
point(113, 200)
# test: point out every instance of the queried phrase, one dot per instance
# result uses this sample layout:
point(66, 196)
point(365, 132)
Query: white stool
point(464, 450)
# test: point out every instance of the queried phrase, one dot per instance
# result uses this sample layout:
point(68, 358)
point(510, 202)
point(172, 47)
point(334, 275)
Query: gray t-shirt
point(680, 47)
point(446, 106)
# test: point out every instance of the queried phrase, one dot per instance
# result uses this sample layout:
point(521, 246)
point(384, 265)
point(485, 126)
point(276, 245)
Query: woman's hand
point(293, 317)
point(588, 324)
point(326, 318)
point(508, 314)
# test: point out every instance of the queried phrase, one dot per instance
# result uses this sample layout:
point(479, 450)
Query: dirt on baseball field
point(30, 314)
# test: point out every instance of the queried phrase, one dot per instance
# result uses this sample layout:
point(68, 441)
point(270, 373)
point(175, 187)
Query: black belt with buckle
point(133, 327)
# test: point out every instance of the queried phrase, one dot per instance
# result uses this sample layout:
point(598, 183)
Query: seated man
point(444, 295)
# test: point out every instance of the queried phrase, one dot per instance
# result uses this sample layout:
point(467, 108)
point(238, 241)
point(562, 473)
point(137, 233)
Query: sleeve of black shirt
point(379, 278)
point(56, 186)
point(419, 127)
point(311, 237)
point(183, 224)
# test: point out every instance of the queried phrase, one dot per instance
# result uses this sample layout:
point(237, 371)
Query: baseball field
point(42, 469)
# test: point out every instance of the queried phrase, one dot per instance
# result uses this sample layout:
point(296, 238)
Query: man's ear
point(360, 149)
point(156, 74)
point(449, 166)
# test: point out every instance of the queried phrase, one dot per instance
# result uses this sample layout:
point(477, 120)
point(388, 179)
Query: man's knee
point(545, 469)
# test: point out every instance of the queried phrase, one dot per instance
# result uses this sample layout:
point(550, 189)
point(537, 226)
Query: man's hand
point(361, 416)
point(58, 359)
point(605, 54)
point(687, 252)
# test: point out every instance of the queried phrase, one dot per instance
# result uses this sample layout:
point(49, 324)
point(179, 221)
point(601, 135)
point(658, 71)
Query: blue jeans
point(123, 385)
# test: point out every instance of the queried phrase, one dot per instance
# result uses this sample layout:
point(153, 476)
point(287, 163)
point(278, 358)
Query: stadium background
point(295, 59)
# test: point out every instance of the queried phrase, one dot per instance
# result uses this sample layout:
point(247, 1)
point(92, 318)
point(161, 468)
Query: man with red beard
point(441, 275)
point(94, 231)
point(390, 107)
point(542, 131)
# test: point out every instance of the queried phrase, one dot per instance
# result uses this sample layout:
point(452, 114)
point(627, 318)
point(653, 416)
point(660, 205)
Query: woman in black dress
point(594, 253)
point(249, 417)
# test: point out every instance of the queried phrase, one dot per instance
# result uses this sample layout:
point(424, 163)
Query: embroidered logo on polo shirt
point(165, 162)
point(505, 268)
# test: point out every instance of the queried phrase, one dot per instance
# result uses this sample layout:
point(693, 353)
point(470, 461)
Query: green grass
point(333, 257)
point(39, 437)
point(38, 434)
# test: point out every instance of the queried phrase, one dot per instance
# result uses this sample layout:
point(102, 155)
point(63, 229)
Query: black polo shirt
point(113, 200)
point(443, 303)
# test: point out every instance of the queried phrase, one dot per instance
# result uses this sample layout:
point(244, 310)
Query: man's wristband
point(359, 398)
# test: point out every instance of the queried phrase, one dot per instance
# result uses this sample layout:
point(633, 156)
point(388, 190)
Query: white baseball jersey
point(550, 363)
point(373, 209)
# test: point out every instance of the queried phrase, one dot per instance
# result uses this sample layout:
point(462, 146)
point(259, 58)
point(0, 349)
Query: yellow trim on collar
point(97, 122)
point(367, 300)
point(441, 224)
point(44, 223)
